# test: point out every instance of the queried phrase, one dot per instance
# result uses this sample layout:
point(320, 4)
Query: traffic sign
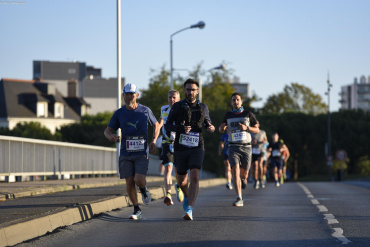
point(341, 155)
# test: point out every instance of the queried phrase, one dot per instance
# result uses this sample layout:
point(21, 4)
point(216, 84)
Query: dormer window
point(58, 110)
point(42, 109)
point(83, 110)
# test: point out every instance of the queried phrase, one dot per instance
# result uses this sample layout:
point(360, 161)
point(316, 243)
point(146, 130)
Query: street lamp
point(200, 95)
point(329, 126)
point(200, 25)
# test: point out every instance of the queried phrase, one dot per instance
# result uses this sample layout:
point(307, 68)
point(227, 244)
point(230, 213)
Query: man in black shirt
point(239, 124)
point(189, 116)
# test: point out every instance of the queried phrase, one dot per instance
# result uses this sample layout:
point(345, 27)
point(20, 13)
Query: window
point(83, 110)
point(59, 110)
point(42, 109)
point(71, 71)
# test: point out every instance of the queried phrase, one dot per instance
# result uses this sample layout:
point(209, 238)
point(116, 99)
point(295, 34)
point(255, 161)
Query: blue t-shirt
point(225, 140)
point(134, 128)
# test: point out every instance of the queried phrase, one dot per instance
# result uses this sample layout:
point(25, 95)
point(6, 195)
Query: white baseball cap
point(130, 88)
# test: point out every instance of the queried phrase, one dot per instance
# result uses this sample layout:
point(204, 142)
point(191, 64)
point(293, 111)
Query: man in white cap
point(133, 119)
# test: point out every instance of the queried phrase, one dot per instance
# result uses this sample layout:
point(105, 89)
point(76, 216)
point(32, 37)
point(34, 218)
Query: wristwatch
point(247, 128)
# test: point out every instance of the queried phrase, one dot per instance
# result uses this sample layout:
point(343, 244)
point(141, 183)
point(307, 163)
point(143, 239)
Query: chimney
point(72, 88)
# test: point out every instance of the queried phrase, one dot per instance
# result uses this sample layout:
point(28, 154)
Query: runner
point(284, 156)
point(265, 164)
point(189, 116)
point(133, 119)
point(167, 149)
point(222, 150)
point(274, 153)
point(258, 153)
point(239, 124)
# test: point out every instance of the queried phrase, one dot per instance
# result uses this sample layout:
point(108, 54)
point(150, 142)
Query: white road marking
point(331, 219)
point(315, 202)
point(322, 208)
point(338, 232)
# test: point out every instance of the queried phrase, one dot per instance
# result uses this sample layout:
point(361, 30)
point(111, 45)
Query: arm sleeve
point(151, 118)
point(114, 122)
point(169, 126)
point(207, 118)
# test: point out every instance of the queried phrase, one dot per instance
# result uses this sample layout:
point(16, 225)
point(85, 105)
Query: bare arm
point(156, 130)
point(110, 134)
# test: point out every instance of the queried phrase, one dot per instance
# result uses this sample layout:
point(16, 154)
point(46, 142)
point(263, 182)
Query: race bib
point(135, 143)
point(256, 150)
point(239, 136)
point(190, 139)
point(275, 153)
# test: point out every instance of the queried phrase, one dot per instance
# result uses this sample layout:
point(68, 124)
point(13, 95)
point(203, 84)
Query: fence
point(24, 158)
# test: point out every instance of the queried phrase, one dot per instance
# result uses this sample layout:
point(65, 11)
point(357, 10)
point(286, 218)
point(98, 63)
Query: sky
point(267, 43)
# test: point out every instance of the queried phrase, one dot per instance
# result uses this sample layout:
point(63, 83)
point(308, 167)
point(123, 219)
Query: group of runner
point(182, 123)
point(264, 155)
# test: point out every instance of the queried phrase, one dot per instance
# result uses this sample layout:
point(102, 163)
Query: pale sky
point(268, 43)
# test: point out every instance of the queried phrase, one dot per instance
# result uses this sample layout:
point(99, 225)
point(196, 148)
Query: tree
point(89, 131)
point(30, 130)
point(295, 98)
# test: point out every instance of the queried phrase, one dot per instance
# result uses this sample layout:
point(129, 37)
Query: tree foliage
point(30, 130)
point(295, 98)
point(89, 131)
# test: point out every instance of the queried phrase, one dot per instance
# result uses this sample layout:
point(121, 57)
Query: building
point(240, 87)
point(356, 95)
point(36, 101)
point(100, 93)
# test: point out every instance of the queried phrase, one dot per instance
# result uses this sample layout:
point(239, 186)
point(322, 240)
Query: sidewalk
point(31, 209)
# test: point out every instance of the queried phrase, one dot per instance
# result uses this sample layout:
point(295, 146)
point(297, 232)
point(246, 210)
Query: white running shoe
point(168, 200)
point(238, 202)
point(146, 197)
point(136, 215)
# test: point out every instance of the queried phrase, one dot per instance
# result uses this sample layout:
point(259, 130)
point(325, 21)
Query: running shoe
point(185, 204)
point(257, 184)
point(229, 186)
point(188, 213)
point(146, 197)
point(238, 202)
point(179, 193)
point(168, 200)
point(277, 184)
point(263, 184)
point(136, 215)
point(244, 183)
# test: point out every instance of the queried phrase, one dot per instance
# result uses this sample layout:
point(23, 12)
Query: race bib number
point(239, 136)
point(190, 139)
point(135, 143)
point(256, 150)
point(275, 153)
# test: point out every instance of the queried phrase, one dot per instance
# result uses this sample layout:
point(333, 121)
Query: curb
point(65, 187)
point(27, 230)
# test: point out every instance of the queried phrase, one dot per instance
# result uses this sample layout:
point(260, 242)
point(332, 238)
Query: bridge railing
point(21, 158)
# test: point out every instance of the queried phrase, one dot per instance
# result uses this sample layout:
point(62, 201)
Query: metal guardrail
point(32, 157)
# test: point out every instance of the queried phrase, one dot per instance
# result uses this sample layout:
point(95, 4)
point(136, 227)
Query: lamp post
point(200, 25)
point(119, 88)
point(200, 95)
point(329, 126)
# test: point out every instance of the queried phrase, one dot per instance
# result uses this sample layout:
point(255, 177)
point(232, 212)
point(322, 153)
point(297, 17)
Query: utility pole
point(329, 125)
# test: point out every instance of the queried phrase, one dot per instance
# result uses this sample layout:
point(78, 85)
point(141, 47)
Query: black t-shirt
point(194, 114)
point(232, 120)
point(275, 152)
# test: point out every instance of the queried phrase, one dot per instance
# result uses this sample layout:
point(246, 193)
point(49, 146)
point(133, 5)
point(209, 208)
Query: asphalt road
point(295, 214)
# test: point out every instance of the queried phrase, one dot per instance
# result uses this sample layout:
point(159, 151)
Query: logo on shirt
point(131, 124)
